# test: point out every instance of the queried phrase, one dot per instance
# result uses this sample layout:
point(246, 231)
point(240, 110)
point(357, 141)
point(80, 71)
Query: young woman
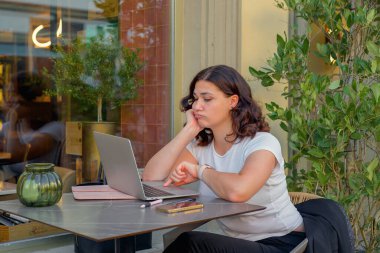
point(226, 145)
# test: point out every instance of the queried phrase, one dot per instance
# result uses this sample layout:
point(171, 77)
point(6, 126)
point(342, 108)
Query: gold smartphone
point(179, 207)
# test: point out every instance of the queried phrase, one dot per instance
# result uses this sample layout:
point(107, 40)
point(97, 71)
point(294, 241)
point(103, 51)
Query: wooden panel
point(74, 138)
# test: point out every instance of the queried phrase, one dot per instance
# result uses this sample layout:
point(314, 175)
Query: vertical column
point(208, 34)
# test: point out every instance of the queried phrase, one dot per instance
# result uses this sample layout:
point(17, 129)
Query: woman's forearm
point(160, 165)
point(228, 186)
point(240, 187)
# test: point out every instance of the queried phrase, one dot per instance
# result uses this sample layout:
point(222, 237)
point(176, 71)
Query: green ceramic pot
point(39, 185)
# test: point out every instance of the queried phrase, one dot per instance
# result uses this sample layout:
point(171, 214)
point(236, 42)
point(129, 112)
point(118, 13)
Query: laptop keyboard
point(154, 192)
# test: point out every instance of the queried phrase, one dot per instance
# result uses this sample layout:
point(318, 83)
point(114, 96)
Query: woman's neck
point(222, 142)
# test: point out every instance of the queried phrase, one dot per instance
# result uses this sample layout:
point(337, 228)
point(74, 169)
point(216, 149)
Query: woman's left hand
point(185, 173)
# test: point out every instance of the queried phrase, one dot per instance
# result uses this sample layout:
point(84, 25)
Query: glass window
point(57, 58)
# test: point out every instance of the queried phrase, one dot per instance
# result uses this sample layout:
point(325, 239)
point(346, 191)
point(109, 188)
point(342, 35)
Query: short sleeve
point(264, 141)
point(192, 147)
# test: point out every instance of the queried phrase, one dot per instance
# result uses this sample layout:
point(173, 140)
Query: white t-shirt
point(280, 216)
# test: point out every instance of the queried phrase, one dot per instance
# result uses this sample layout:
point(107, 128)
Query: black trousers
point(196, 242)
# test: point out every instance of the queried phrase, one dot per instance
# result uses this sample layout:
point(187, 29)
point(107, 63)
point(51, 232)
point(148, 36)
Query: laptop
point(120, 169)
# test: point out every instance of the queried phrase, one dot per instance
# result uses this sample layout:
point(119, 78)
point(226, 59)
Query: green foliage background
point(333, 121)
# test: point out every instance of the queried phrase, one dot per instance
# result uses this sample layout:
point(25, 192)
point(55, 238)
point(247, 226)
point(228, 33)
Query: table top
point(101, 220)
point(7, 188)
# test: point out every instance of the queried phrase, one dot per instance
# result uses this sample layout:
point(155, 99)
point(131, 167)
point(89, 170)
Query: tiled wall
point(145, 25)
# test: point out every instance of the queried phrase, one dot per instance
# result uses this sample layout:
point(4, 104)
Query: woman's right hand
point(192, 122)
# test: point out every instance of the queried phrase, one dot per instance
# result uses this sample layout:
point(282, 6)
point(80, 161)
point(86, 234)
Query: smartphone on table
point(180, 206)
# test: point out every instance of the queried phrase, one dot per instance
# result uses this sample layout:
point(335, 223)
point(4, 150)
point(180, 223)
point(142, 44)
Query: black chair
point(327, 226)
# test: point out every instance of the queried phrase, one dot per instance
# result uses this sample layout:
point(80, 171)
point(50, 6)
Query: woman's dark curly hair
point(247, 118)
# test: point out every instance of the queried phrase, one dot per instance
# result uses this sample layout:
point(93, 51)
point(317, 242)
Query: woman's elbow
point(147, 175)
point(237, 196)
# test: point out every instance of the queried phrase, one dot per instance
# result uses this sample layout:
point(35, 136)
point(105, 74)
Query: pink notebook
point(98, 192)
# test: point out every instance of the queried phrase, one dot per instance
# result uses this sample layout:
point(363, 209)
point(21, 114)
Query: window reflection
point(28, 32)
point(31, 131)
point(140, 24)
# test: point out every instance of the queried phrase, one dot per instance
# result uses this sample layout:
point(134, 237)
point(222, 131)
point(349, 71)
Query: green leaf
point(277, 76)
point(284, 126)
point(269, 106)
point(376, 91)
point(374, 66)
point(370, 16)
point(273, 116)
point(355, 183)
point(292, 145)
point(253, 72)
point(356, 136)
point(377, 133)
point(334, 85)
point(294, 137)
point(267, 81)
point(316, 153)
point(371, 168)
point(288, 115)
point(373, 48)
point(280, 40)
point(280, 45)
point(305, 46)
point(259, 74)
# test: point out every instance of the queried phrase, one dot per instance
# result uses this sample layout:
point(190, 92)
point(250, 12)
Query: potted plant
point(94, 72)
point(333, 117)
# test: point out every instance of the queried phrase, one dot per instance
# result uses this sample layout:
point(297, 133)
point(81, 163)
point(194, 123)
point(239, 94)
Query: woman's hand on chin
point(192, 123)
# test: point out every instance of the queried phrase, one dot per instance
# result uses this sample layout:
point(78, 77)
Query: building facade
point(174, 38)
